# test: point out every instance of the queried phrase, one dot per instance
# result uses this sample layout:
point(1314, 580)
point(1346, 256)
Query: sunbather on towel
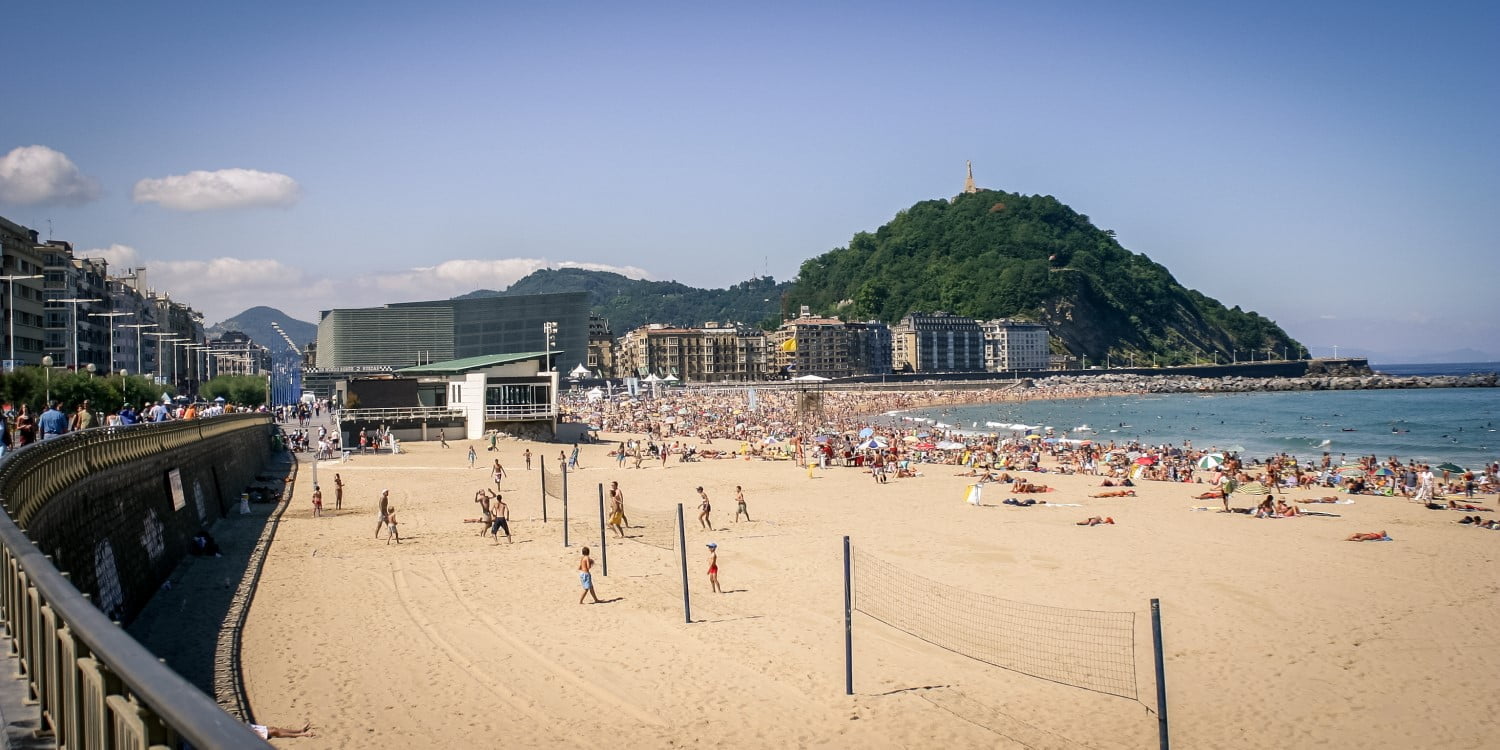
point(1210, 495)
point(1323, 499)
point(1369, 536)
point(1116, 493)
point(1095, 521)
point(1456, 505)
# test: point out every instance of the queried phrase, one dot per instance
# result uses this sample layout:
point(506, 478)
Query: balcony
point(518, 412)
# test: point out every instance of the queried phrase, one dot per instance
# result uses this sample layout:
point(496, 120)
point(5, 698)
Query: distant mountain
point(629, 303)
point(256, 323)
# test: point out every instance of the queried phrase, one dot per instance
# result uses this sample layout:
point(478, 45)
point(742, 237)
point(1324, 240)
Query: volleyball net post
point(687, 610)
point(848, 626)
point(1161, 676)
point(603, 538)
point(564, 466)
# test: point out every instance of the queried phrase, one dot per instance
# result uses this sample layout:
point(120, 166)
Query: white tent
point(652, 378)
point(594, 394)
point(579, 372)
point(669, 379)
point(811, 379)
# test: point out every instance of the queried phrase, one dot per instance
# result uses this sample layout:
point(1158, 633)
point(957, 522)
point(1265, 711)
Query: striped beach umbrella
point(1253, 488)
point(1211, 461)
point(1351, 471)
point(1384, 471)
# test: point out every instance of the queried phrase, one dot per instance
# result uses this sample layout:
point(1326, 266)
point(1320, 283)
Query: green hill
point(994, 254)
point(629, 303)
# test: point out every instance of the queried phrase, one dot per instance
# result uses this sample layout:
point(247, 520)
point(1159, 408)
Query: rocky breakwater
point(1186, 384)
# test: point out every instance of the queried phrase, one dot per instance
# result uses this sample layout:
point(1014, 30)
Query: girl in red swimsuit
point(713, 567)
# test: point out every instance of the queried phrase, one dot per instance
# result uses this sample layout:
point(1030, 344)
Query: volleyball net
point(656, 528)
point(1087, 649)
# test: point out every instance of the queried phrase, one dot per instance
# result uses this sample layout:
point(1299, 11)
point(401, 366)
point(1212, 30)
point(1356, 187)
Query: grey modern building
point(408, 334)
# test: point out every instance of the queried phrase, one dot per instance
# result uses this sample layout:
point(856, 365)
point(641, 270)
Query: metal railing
point(519, 411)
point(96, 686)
point(403, 413)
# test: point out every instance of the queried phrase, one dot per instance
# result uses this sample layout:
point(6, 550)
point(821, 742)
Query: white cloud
point(37, 174)
point(222, 189)
point(119, 257)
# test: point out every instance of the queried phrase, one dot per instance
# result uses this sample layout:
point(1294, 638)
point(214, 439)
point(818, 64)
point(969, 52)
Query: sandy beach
point(1277, 632)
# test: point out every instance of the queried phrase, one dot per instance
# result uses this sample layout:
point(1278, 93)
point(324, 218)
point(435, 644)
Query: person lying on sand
point(1117, 483)
point(1095, 521)
point(1027, 503)
point(1284, 510)
point(1116, 493)
point(1480, 523)
point(269, 732)
point(1323, 499)
point(1210, 495)
point(1369, 536)
point(1022, 486)
point(1455, 505)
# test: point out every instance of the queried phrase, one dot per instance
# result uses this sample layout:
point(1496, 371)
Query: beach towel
point(1319, 513)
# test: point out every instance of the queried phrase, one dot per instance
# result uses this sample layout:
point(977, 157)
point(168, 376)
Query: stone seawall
point(118, 531)
point(1184, 384)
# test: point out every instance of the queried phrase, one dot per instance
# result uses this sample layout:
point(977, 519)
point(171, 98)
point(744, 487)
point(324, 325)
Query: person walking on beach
point(713, 567)
point(586, 576)
point(573, 459)
point(385, 502)
point(502, 520)
point(338, 492)
point(703, 510)
point(443, 439)
point(620, 456)
point(497, 472)
point(739, 504)
point(618, 497)
point(527, 455)
point(390, 518)
point(616, 509)
point(317, 500)
point(473, 455)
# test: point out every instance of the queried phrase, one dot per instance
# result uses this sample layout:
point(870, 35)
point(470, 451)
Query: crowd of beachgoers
point(872, 431)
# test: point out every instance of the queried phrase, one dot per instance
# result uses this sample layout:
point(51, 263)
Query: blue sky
point(1329, 166)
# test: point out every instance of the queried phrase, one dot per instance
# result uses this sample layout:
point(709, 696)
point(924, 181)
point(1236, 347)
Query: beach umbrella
point(866, 432)
point(1449, 466)
point(1033, 437)
point(873, 443)
point(1049, 441)
point(909, 439)
point(1384, 471)
point(950, 445)
point(1211, 461)
point(924, 446)
point(1253, 488)
point(1351, 471)
point(1146, 460)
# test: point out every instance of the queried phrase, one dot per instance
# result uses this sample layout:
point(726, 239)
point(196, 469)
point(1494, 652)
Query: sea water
point(1461, 425)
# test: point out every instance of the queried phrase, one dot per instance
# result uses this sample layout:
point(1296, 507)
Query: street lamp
point(550, 330)
point(47, 364)
point(111, 316)
point(140, 363)
point(162, 338)
point(10, 306)
point(75, 302)
point(91, 368)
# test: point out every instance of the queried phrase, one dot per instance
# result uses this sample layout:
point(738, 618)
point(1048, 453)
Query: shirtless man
point(497, 473)
point(703, 510)
point(586, 576)
point(385, 502)
point(527, 455)
point(1369, 536)
point(502, 521)
point(1095, 521)
point(485, 516)
point(317, 500)
point(338, 492)
point(739, 504)
point(1115, 493)
point(713, 567)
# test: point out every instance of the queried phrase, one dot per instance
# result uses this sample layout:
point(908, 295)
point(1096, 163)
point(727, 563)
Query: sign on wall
point(174, 479)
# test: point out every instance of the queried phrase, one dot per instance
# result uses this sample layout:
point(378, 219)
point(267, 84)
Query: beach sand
point(1277, 633)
